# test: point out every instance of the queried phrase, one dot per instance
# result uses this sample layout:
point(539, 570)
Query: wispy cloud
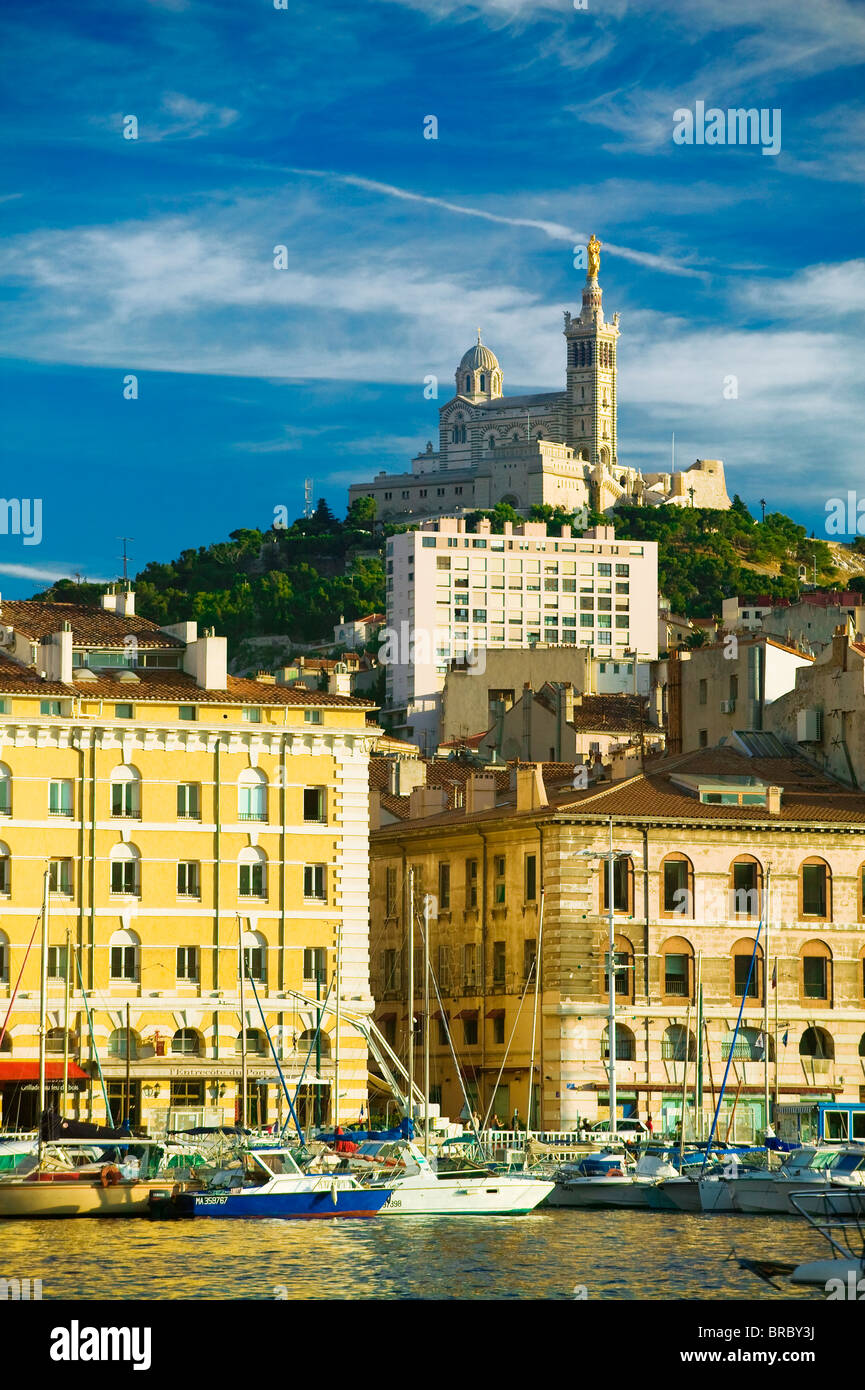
point(48, 573)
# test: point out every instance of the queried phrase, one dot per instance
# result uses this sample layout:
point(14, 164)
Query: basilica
point(559, 447)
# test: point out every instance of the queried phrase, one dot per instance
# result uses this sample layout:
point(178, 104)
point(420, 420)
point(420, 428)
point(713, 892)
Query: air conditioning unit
point(809, 726)
point(728, 706)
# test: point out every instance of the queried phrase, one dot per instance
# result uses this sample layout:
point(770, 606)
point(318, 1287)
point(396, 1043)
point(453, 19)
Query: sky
point(739, 275)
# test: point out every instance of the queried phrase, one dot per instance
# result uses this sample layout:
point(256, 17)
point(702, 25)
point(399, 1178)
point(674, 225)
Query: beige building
point(824, 715)
point(558, 724)
point(709, 841)
point(728, 685)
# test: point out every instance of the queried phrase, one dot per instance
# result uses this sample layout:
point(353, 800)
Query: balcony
point(252, 815)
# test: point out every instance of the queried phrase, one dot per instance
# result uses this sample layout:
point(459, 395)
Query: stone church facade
point(558, 447)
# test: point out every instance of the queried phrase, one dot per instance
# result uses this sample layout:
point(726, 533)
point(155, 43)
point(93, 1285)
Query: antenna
point(125, 557)
point(307, 497)
point(673, 454)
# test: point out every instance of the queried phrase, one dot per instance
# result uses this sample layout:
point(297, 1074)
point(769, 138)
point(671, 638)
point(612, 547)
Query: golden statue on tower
point(594, 250)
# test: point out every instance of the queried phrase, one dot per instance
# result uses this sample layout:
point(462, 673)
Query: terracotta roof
point(90, 626)
point(809, 797)
point(157, 685)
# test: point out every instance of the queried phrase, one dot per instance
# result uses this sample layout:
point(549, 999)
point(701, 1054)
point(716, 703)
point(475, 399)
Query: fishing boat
point(413, 1187)
point(267, 1182)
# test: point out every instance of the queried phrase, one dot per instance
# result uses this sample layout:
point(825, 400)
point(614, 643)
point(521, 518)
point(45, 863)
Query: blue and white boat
point(267, 1182)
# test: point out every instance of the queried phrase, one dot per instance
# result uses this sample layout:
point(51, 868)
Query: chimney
point(480, 793)
point(265, 677)
point(568, 701)
point(339, 682)
point(773, 800)
point(427, 801)
point(531, 792)
point(404, 775)
point(207, 660)
point(840, 648)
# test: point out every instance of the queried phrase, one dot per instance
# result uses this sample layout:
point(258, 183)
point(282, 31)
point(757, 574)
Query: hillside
point(267, 590)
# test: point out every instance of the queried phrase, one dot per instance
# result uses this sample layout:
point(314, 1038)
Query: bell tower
point(591, 427)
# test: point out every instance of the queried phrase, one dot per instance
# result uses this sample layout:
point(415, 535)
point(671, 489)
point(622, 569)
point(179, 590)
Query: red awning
point(495, 1013)
point(439, 1013)
point(468, 1013)
point(29, 1071)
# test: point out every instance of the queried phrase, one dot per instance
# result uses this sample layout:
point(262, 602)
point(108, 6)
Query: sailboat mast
point(698, 1072)
point(410, 1066)
point(242, 961)
point(535, 1019)
point(766, 1000)
point(337, 1025)
point(68, 973)
point(43, 987)
point(426, 921)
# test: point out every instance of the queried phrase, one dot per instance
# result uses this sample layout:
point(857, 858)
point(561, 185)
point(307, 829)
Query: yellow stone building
point(175, 807)
point(708, 841)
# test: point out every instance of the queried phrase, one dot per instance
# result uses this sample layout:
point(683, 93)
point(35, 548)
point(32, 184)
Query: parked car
point(630, 1131)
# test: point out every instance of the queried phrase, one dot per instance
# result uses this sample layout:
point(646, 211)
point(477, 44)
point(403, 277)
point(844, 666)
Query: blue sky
point(303, 127)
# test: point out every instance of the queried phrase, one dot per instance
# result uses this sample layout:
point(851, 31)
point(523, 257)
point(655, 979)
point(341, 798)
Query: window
point(677, 886)
point(499, 1028)
point(187, 964)
point(470, 1031)
point(186, 1043)
point(187, 1095)
point(626, 1044)
point(314, 884)
point(57, 962)
point(188, 878)
point(741, 968)
point(815, 889)
point(5, 871)
point(704, 692)
point(124, 711)
point(746, 883)
point(251, 880)
point(189, 801)
point(252, 795)
point(56, 1040)
point(314, 805)
point(623, 885)
point(312, 716)
point(392, 971)
point(390, 891)
point(49, 707)
point(816, 971)
point(676, 974)
point(125, 870)
point(470, 958)
point(119, 1045)
point(442, 1031)
point(499, 882)
point(255, 957)
point(123, 956)
point(817, 1044)
point(499, 962)
point(60, 798)
point(125, 794)
point(444, 887)
point(623, 969)
point(531, 878)
point(187, 712)
point(315, 963)
point(5, 790)
point(252, 1042)
point(60, 876)
point(703, 738)
point(677, 1045)
point(251, 714)
point(471, 883)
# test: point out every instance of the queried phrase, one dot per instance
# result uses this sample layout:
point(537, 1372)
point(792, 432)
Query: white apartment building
point(452, 594)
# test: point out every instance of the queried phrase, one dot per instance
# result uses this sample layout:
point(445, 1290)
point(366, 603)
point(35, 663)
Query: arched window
point(254, 1042)
point(677, 1045)
point(817, 1044)
point(5, 871)
point(252, 795)
point(126, 870)
point(746, 887)
point(307, 1041)
point(123, 951)
point(750, 1045)
point(677, 969)
point(815, 972)
point(623, 885)
point(862, 1046)
point(117, 1044)
point(255, 956)
point(4, 958)
point(55, 1040)
point(252, 873)
point(5, 790)
point(740, 966)
point(126, 792)
point(483, 382)
point(677, 886)
point(626, 1044)
point(815, 889)
point(186, 1043)
point(624, 970)
point(492, 442)
point(468, 383)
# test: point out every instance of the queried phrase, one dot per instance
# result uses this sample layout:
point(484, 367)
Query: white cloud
point(48, 573)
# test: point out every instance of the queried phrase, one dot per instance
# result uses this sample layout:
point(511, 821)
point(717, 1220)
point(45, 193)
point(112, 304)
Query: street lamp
point(609, 857)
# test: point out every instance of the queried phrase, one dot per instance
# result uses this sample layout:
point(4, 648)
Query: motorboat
point(266, 1181)
point(415, 1187)
point(71, 1179)
point(611, 1180)
point(827, 1168)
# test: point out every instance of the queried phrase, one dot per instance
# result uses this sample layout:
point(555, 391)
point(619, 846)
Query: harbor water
point(549, 1254)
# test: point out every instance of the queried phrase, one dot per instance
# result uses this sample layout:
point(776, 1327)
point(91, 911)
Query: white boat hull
point(422, 1196)
point(600, 1192)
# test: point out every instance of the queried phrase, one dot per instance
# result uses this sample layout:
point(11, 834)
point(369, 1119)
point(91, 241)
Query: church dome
point(479, 359)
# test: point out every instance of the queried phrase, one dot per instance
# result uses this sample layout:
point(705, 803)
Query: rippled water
point(615, 1254)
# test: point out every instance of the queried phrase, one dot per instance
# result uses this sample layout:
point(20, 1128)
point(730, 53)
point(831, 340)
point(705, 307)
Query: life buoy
point(109, 1175)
